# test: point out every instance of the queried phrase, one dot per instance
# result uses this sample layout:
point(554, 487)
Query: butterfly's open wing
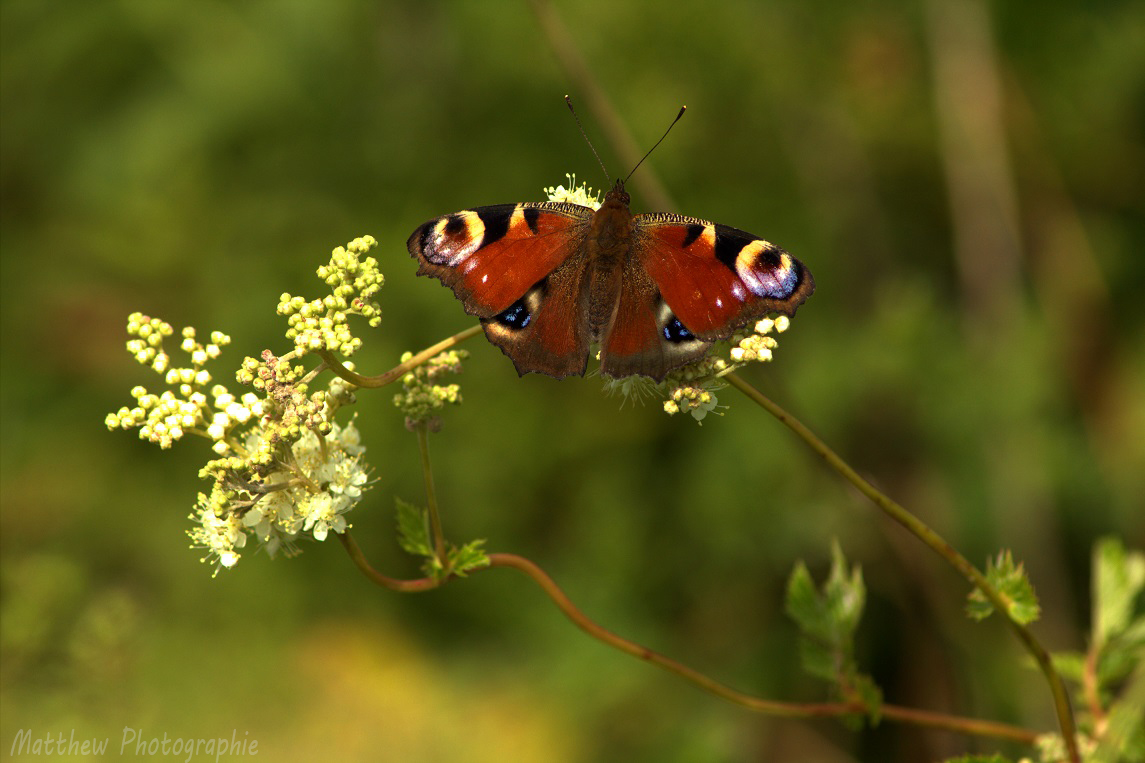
point(715, 278)
point(645, 337)
point(690, 283)
point(518, 268)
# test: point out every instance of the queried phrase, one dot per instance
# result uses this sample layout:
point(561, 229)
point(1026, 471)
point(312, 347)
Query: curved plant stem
point(756, 704)
point(940, 546)
point(394, 584)
point(766, 706)
point(399, 370)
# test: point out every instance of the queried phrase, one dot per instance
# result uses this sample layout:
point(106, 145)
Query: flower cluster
point(692, 389)
point(189, 404)
point(284, 468)
point(696, 400)
point(321, 324)
point(421, 398)
point(309, 488)
point(574, 194)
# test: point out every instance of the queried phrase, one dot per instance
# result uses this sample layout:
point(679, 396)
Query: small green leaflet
point(1010, 581)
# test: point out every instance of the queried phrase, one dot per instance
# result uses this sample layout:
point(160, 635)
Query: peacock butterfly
point(546, 279)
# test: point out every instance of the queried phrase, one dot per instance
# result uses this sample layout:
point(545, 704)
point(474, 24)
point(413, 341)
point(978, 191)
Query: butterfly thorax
point(610, 231)
point(608, 245)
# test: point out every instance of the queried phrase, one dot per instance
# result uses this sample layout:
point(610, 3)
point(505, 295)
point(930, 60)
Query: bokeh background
point(965, 180)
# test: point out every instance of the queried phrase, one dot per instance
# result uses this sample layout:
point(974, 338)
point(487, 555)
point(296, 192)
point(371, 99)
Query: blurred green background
point(965, 181)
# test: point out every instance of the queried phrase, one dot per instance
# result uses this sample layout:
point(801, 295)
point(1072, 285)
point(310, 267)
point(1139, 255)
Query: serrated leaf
point(1124, 737)
point(471, 556)
point(802, 601)
point(978, 607)
point(818, 659)
point(1010, 581)
point(833, 614)
point(1117, 660)
point(1118, 579)
point(413, 529)
point(827, 620)
point(846, 595)
point(871, 695)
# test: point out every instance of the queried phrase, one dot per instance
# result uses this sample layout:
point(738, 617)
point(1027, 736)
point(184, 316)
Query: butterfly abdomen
point(607, 248)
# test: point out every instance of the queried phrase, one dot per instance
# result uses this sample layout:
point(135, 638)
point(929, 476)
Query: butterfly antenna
point(662, 137)
point(568, 101)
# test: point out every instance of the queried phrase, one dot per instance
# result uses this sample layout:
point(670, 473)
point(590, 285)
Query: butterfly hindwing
point(505, 263)
point(716, 278)
point(646, 337)
point(547, 331)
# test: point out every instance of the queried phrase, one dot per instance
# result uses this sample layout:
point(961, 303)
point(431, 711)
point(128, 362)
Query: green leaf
point(995, 758)
point(1010, 581)
point(871, 695)
point(802, 601)
point(1118, 580)
point(828, 619)
point(471, 556)
point(1124, 737)
point(413, 529)
point(833, 615)
point(819, 660)
point(846, 595)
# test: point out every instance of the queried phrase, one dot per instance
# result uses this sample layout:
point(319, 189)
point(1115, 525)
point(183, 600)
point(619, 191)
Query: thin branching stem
point(755, 704)
point(430, 493)
point(939, 546)
point(400, 370)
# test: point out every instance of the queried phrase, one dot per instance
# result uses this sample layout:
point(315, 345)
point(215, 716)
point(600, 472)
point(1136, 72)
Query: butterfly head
point(617, 194)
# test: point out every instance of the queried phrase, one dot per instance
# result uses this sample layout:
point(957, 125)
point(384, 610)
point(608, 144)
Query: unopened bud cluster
point(421, 398)
point(757, 346)
point(321, 324)
point(190, 403)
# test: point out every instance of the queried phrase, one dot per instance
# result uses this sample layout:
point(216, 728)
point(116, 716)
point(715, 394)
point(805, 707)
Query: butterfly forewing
point(716, 278)
point(517, 267)
point(491, 256)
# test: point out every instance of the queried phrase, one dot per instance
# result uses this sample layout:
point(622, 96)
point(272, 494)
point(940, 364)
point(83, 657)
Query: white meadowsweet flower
point(220, 536)
point(310, 498)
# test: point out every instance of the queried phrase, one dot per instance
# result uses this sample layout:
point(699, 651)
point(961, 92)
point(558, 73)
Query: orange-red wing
point(492, 256)
point(716, 278)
